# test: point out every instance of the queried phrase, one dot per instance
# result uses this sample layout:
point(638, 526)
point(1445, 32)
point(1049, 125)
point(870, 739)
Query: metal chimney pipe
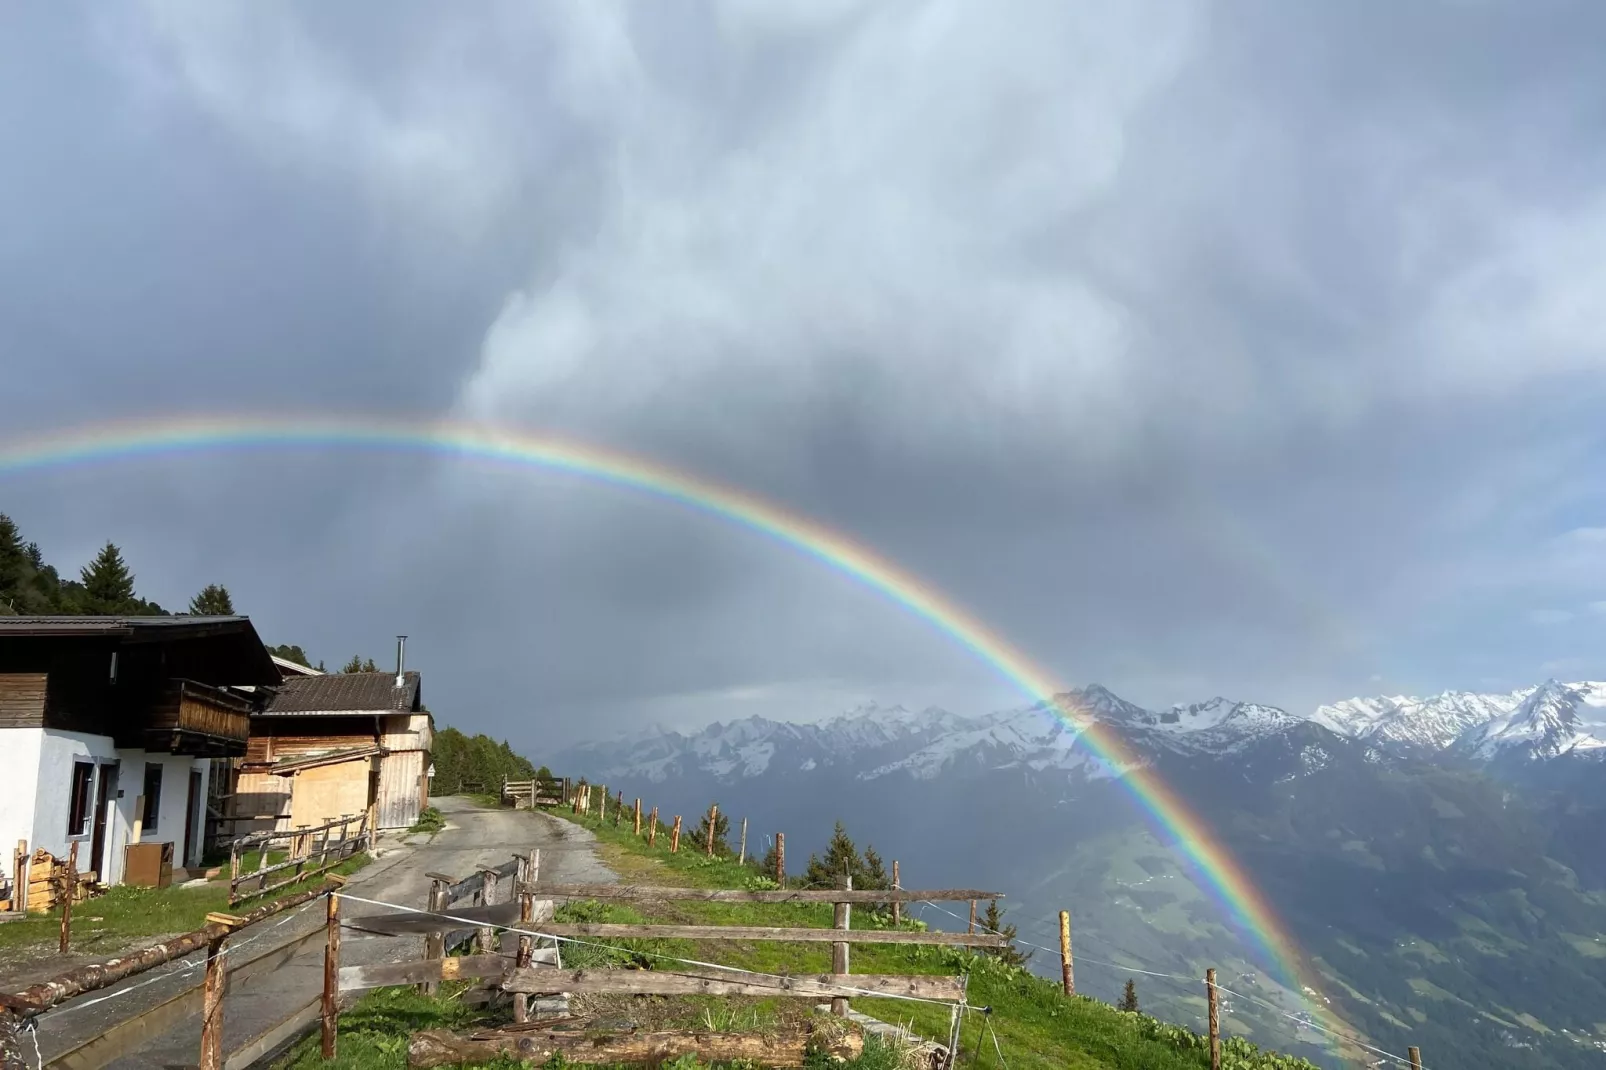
point(401, 655)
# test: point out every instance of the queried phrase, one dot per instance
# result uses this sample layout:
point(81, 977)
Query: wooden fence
point(528, 794)
point(304, 852)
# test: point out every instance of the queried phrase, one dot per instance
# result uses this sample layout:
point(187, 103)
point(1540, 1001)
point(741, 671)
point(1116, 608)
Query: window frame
point(80, 798)
point(153, 799)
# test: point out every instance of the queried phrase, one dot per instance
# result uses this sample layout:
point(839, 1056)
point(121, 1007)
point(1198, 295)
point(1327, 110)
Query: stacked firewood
point(47, 882)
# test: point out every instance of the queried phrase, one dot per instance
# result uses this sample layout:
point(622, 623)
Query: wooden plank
point(725, 895)
point(762, 932)
point(537, 981)
point(385, 974)
point(273, 1037)
point(130, 1033)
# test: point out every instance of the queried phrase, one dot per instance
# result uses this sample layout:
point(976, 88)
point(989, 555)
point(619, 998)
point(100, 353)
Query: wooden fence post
point(713, 823)
point(435, 939)
point(19, 879)
point(780, 858)
point(674, 837)
point(741, 857)
point(897, 907)
point(972, 928)
point(1067, 970)
point(1215, 1019)
point(638, 817)
point(602, 807)
point(618, 809)
point(521, 1002)
point(839, 951)
point(652, 828)
point(212, 1007)
point(1415, 1055)
point(487, 934)
point(331, 976)
point(66, 900)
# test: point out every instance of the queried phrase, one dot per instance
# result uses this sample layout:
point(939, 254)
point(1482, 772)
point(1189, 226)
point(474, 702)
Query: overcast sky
point(1252, 348)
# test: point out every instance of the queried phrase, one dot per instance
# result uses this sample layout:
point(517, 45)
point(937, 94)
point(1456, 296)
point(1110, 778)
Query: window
point(153, 796)
point(83, 775)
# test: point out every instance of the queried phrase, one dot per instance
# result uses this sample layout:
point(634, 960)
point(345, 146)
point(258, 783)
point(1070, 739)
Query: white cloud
point(1550, 616)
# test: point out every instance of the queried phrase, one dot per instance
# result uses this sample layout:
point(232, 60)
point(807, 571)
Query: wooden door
point(189, 815)
point(97, 844)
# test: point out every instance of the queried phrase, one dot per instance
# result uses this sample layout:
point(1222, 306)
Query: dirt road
point(472, 837)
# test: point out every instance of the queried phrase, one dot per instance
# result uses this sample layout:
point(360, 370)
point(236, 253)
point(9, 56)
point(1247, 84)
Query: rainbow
point(1221, 873)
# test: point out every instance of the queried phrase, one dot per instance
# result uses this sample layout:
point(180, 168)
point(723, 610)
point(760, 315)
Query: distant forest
point(475, 760)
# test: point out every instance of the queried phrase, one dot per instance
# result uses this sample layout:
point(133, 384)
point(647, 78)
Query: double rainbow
point(1221, 873)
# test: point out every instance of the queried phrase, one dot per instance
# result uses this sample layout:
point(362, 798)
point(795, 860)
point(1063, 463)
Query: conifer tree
point(357, 664)
point(214, 601)
point(841, 859)
point(993, 921)
point(291, 653)
point(722, 828)
point(108, 586)
point(15, 568)
point(1129, 998)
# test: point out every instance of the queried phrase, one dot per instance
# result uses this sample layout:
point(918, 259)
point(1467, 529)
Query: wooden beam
point(252, 1051)
point(763, 932)
point(726, 895)
point(537, 981)
point(433, 1048)
point(384, 974)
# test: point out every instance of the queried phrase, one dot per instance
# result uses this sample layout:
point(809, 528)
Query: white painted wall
point(19, 785)
point(36, 784)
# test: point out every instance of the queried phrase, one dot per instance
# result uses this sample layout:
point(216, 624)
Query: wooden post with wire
point(19, 878)
point(1215, 1019)
point(897, 907)
point(839, 950)
point(652, 828)
point(638, 817)
point(67, 894)
point(618, 809)
point(331, 972)
point(972, 929)
point(486, 938)
point(741, 856)
point(529, 873)
point(602, 806)
point(1067, 970)
point(212, 996)
point(435, 940)
point(780, 858)
point(713, 823)
point(1415, 1055)
point(674, 837)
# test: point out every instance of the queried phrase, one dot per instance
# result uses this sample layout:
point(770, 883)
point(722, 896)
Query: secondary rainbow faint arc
point(103, 442)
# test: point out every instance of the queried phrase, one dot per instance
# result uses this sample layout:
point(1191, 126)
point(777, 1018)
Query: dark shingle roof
point(65, 625)
point(343, 693)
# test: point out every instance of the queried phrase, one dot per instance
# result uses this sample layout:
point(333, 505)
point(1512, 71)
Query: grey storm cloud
point(1197, 348)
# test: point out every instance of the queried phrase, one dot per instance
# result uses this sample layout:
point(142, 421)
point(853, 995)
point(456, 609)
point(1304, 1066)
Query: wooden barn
point(334, 745)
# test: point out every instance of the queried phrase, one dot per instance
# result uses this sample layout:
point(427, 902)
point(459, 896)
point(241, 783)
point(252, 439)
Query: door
point(190, 809)
point(97, 844)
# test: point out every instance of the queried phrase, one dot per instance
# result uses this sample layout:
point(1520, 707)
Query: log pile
point(438, 1047)
point(47, 881)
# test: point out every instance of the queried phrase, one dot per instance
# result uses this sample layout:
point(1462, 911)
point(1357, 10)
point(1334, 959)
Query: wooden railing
point(317, 847)
point(188, 706)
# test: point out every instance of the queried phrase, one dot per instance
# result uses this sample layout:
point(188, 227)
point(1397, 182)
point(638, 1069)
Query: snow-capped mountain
point(875, 741)
point(1541, 722)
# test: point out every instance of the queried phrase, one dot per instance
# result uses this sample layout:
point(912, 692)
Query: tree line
point(478, 760)
point(30, 586)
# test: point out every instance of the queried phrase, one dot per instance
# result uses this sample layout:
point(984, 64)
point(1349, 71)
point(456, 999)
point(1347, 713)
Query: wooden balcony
point(198, 720)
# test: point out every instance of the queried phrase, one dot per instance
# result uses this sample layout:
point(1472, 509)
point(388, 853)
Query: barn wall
point(326, 792)
point(401, 775)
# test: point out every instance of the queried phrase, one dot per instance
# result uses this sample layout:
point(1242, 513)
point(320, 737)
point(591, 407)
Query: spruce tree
point(213, 601)
point(993, 921)
point(841, 859)
point(108, 586)
point(722, 828)
point(1129, 998)
point(291, 653)
point(357, 664)
point(15, 568)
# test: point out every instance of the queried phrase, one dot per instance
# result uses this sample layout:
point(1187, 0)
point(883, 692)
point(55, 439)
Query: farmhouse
point(108, 726)
point(326, 746)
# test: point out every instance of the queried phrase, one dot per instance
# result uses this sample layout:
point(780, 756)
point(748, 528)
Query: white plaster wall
point(19, 787)
point(57, 752)
point(170, 815)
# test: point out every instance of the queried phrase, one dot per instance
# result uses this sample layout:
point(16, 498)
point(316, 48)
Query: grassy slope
point(124, 913)
point(1035, 1024)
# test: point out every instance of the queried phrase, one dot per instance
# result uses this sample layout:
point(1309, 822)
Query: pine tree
point(213, 601)
point(357, 664)
point(291, 653)
point(108, 586)
point(993, 921)
point(873, 874)
point(1129, 998)
point(841, 859)
point(15, 568)
point(722, 828)
point(766, 865)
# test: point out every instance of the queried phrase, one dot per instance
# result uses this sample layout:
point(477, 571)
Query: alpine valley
point(1440, 862)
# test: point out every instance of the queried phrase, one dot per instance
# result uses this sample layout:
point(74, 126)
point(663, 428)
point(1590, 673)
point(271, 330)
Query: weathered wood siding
point(262, 796)
point(408, 731)
point(326, 792)
point(192, 707)
point(22, 699)
point(401, 792)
